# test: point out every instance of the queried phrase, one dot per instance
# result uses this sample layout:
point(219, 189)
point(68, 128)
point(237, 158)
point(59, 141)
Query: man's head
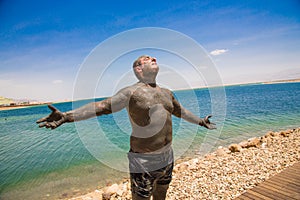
point(145, 68)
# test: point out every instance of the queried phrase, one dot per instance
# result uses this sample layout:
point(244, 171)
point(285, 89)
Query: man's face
point(148, 65)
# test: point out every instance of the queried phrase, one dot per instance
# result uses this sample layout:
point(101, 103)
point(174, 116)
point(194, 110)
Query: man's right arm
point(107, 106)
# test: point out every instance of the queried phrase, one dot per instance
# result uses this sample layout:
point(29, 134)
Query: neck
point(152, 84)
point(148, 81)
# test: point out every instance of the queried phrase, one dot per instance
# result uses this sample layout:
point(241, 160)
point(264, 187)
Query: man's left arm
point(181, 112)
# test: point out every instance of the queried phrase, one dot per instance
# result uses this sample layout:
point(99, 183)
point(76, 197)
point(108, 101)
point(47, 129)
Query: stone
point(264, 145)
point(221, 151)
point(243, 144)
point(109, 191)
point(120, 192)
point(224, 177)
point(269, 134)
point(106, 196)
point(235, 148)
point(254, 142)
point(284, 133)
point(183, 166)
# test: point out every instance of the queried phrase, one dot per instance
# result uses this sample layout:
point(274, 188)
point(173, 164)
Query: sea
point(76, 158)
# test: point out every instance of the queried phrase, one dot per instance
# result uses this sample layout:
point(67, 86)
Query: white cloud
point(57, 81)
point(218, 52)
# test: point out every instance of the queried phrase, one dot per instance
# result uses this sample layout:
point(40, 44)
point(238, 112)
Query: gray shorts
point(146, 170)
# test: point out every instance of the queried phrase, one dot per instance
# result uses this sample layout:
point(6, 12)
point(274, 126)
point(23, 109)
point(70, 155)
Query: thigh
point(142, 184)
point(166, 175)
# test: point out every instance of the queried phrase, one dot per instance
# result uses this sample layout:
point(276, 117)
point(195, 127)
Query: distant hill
point(5, 101)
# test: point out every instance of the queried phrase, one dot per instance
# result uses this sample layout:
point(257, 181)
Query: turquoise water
point(43, 164)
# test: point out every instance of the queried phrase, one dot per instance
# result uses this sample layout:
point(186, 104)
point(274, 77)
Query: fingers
point(42, 125)
point(51, 107)
point(206, 119)
point(42, 120)
point(211, 127)
point(208, 116)
point(51, 125)
point(47, 119)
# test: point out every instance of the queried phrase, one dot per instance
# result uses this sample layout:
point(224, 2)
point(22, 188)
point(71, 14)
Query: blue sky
point(44, 43)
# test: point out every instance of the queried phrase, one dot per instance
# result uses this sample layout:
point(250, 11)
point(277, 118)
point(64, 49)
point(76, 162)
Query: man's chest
point(145, 99)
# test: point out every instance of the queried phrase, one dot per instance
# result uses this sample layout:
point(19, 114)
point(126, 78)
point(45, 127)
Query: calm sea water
point(43, 164)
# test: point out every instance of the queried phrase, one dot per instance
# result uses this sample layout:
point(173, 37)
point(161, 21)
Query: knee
point(160, 192)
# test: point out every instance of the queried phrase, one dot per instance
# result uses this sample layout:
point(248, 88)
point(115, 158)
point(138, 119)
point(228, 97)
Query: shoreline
point(21, 106)
point(13, 107)
point(225, 85)
point(223, 174)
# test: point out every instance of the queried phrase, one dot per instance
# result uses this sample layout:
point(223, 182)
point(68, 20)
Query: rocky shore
point(225, 173)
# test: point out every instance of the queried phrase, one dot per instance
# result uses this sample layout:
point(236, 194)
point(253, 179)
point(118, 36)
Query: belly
point(150, 140)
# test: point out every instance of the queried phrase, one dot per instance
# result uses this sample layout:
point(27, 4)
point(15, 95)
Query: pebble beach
point(225, 173)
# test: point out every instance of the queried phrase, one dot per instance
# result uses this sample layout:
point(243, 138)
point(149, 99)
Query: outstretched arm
point(181, 112)
point(107, 106)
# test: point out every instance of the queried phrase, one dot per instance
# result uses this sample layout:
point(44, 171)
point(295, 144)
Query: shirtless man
point(150, 109)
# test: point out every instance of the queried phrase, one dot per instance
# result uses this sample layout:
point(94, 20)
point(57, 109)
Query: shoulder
point(129, 90)
point(165, 90)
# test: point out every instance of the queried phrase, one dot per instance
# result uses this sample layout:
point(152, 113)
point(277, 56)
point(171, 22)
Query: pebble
point(226, 173)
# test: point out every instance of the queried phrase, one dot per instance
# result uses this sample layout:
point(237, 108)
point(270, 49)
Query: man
point(150, 109)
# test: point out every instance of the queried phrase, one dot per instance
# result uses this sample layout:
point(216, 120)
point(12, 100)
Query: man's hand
point(207, 124)
point(54, 120)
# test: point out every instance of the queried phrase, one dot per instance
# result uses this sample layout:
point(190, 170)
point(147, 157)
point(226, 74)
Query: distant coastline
point(30, 104)
point(283, 81)
point(267, 82)
point(10, 107)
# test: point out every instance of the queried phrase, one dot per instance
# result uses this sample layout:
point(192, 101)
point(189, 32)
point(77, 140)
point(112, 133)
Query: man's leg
point(142, 186)
point(160, 192)
point(137, 197)
point(162, 184)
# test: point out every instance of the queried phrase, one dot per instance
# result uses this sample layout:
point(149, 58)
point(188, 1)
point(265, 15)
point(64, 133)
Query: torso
point(150, 110)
